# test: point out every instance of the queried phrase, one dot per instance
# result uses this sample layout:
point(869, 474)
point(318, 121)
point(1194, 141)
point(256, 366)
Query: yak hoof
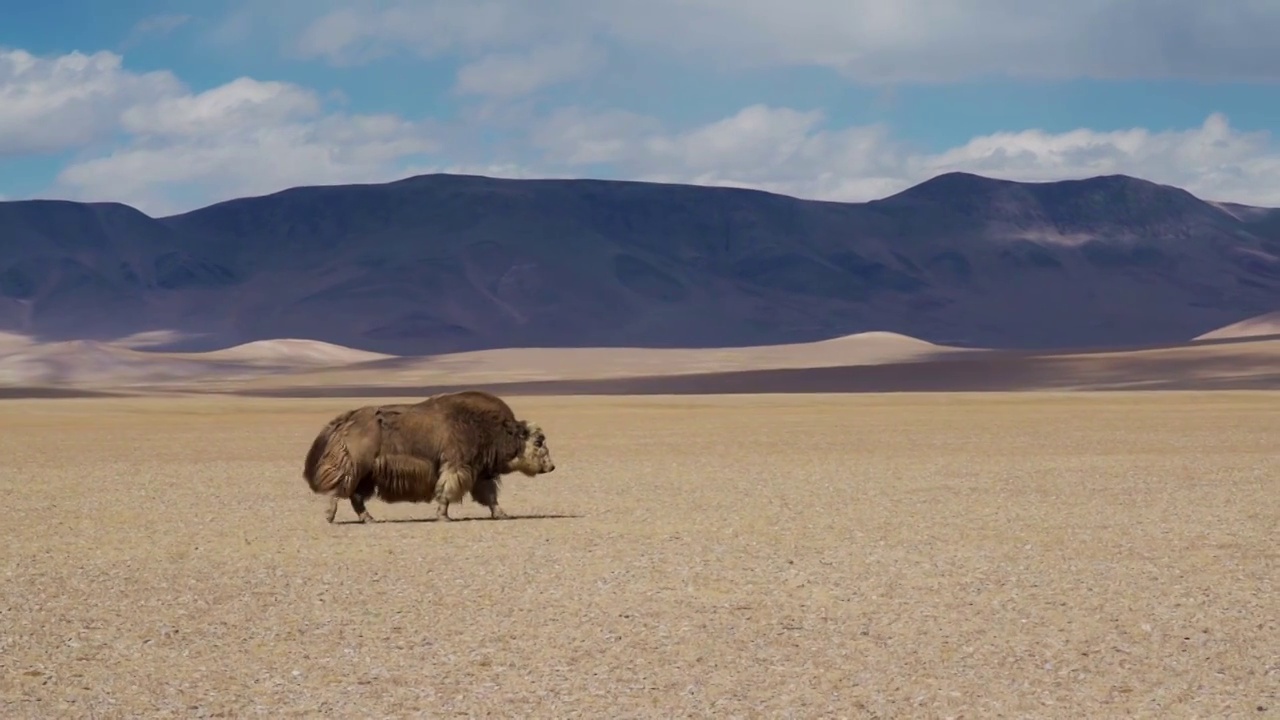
point(367, 518)
point(498, 513)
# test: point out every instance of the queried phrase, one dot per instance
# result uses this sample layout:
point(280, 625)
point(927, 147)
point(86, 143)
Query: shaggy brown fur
point(404, 478)
point(442, 448)
point(342, 454)
point(484, 490)
point(473, 438)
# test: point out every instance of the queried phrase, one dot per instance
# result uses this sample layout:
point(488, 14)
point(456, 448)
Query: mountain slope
point(446, 263)
point(99, 270)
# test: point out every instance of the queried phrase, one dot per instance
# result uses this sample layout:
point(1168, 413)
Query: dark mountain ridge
point(441, 263)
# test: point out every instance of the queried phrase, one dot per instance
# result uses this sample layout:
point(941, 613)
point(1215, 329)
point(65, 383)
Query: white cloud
point(148, 140)
point(1205, 156)
point(155, 26)
point(868, 40)
point(428, 28)
point(244, 138)
point(240, 103)
point(54, 104)
point(793, 152)
point(576, 137)
point(507, 75)
point(182, 149)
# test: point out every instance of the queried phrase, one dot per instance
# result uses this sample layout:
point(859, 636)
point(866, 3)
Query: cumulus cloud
point(161, 178)
point(54, 104)
point(509, 51)
point(180, 148)
point(244, 138)
point(867, 40)
point(430, 28)
point(576, 137)
point(149, 140)
point(795, 152)
point(240, 103)
point(514, 74)
point(1213, 158)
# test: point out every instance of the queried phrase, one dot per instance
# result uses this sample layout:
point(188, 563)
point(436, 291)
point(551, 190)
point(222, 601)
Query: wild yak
point(439, 449)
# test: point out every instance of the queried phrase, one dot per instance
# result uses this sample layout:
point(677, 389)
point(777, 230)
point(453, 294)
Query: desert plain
point(928, 555)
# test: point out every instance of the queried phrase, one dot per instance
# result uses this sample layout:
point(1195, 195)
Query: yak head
point(534, 457)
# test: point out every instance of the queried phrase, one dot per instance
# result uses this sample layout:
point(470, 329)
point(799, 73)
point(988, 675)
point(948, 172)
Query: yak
point(441, 449)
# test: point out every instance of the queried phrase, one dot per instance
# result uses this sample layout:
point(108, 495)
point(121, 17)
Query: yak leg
point(454, 484)
point(357, 504)
point(485, 492)
point(363, 492)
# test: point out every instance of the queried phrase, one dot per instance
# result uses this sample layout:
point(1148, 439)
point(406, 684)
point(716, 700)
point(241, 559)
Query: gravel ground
point(977, 556)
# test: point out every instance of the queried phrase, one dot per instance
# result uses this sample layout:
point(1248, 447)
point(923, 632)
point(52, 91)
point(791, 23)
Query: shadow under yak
point(546, 516)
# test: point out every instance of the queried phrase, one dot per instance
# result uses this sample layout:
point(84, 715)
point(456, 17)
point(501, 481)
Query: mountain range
point(448, 263)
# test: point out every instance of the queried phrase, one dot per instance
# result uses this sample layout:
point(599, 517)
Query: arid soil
point(1039, 555)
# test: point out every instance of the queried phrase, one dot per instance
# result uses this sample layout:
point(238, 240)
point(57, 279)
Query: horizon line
point(627, 181)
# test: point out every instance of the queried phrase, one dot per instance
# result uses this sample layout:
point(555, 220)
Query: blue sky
point(170, 105)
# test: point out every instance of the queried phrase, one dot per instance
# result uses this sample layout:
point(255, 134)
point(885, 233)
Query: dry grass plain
point(1038, 555)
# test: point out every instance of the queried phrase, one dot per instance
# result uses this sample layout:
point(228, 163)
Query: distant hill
point(447, 263)
point(1260, 326)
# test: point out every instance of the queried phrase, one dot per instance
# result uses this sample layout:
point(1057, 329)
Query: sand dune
point(579, 363)
point(865, 362)
point(95, 364)
point(12, 341)
point(1241, 365)
point(85, 363)
point(151, 338)
point(296, 362)
point(1265, 324)
point(288, 351)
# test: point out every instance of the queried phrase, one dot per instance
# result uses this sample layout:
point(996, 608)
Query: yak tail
point(329, 468)
point(404, 478)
